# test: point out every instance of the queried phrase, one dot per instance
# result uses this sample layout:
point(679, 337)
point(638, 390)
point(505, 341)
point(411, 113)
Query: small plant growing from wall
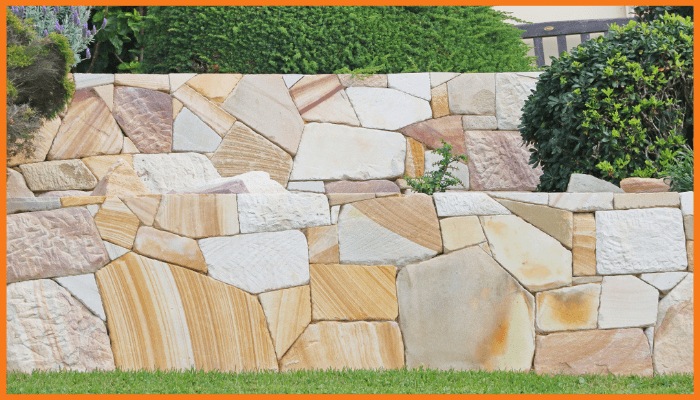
point(441, 178)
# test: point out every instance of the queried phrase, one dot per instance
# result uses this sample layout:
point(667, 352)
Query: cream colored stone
point(689, 251)
point(688, 227)
point(116, 223)
point(99, 165)
point(583, 252)
point(144, 207)
point(627, 302)
point(288, 313)
point(673, 341)
point(129, 147)
point(568, 309)
point(78, 201)
point(167, 172)
point(323, 244)
point(42, 143)
point(177, 80)
point(336, 199)
point(439, 101)
point(460, 232)
point(170, 248)
point(643, 185)
point(16, 185)
point(198, 215)
point(159, 82)
point(219, 120)
point(58, 175)
point(625, 201)
point(177, 107)
point(682, 292)
point(106, 93)
point(438, 78)
point(582, 280)
point(580, 202)
point(215, 87)
point(120, 179)
point(664, 281)
point(556, 223)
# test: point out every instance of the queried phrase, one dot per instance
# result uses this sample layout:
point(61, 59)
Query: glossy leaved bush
point(441, 178)
point(616, 107)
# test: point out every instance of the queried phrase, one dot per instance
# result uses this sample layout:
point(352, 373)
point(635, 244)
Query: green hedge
point(314, 40)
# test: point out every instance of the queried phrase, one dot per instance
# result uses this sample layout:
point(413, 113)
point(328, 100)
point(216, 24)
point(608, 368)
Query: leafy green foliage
point(617, 106)
point(314, 40)
point(680, 172)
point(441, 178)
point(650, 13)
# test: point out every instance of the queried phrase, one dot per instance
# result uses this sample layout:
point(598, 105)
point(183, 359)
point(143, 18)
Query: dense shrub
point(313, 40)
point(617, 106)
point(37, 83)
point(650, 13)
point(441, 178)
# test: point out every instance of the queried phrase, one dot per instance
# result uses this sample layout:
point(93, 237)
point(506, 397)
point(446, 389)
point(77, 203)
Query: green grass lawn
point(395, 381)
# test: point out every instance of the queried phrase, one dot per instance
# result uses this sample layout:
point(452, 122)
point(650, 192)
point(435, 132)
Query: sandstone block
point(438, 78)
point(323, 244)
point(106, 93)
point(581, 202)
point(146, 118)
point(116, 223)
point(681, 293)
point(387, 109)
point(688, 227)
point(307, 186)
point(473, 203)
point(460, 232)
point(321, 98)
point(291, 79)
point(177, 80)
point(129, 147)
point(415, 84)
point(582, 280)
point(198, 216)
point(281, 211)
point(687, 203)
point(215, 87)
point(626, 201)
point(26, 204)
point(16, 185)
point(144, 207)
point(556, 223)
point(58, 175)
point(512, 89)
point(583, 252)
point(479, 122)
point(81, 201)
point(164, 172)
point(84, 288)
point(643, 185)
point(64, 193)
point(219, 120)
point(439, 102)
point(159, 82)
point(663, 281)
point(99, 165)
point(473, 94)
point(627, 302)
point(88, 80)
point(673, 341)
point(689, 250)
point(525, 197)
point(587, 183)
point(432, 131)
point(372, 186)
point(288, 313)
point(415, 158)
point(192, 134)
point(114, 251)
point(120, 179)
point(249, 182)
point(170, 248)
point(568, 309)
point(377, 81)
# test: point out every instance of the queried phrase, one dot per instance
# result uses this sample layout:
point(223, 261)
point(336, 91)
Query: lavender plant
point(69, 21)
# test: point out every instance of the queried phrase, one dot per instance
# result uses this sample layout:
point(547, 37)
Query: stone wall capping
point(83, 81)
point(626, 201)
point(582, 202)
point(159, 82)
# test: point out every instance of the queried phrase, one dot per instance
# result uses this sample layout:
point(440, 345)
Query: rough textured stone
point(614, 351)
point(439, 102)
point(88, 129)
point(687, 203)
point(498, 160)
point(432, 131)
point(626, 201)
point(144, 207)
point(457, 204)
point(350, 345)
point(64, 193)
point(16, 185)
point(473, 94)
point(439, 300)
point(568, 309)
point(243, 150)
point(307, 186)
point(219, 120)
point(88, 80)
point(323, 244)
point(415, 158)
point(664, 281)
point(460, 232)
point(636, 241)
point(372, 186)
point(159, 82)
point(376, 81)
point(438, 78)
point(643, 185)
point(46, 244)
point(387, 109)
point(688, 227)
point(479, 122)
point(587, 183)
point(321, 98)
point(164, 172)
point(170, 248)
point(84, 288)
point(192, 134)
point(81, 201)
point(389, 230)
point(415, 84)
point(281, 211)
point(48, 330)
point(525, 197)
point(688, 247)
point(682, 292)
point(145, 116)
point(99, 165)
point(58, 175)
point(258, 262)
point(627, 302)
point(673, 341)
point(116, 223)
point(558, 224)
point(584, 261)
point(198, 216)
point(581, 202)
point(288, 312)
point(42, 143)
point(26, 204)
point(215, 87)
point(177, 80)
point(120, 179)
point(249, 182)
point(512, 242)
point(263, 103)
point(291, 79)
point(114, 251)
point(166, 317)
point(512, 89)
point(353, 292)
point(331, 152)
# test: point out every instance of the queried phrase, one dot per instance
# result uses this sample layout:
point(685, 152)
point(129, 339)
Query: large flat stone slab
point(673, 341)
point(473, 94)
point(58, 175)
point(568, 309)
point(164, 172)
point(261, 212)
point(190, 133)
point(512, 89)
point(116, 223)
point(637, 241)
point(682, 292)
point(416, 84)
point(99, 165)
point(323, 244)
point(584, 244)
point(590, 184)
point(460, 232)
point(439, 301)
point(249, 182)
point(120, 180)
point(321, 98)
point(372, 186)
point(664, 281)
point(198, 216)
point(458, 204)
point(387, 109)
point(146, 118)
point(582, 202)
point(168, 247)
point(333, 152)
point(288, 312)
point(219, 120)
point(361, 80)
point(627, 302)
point(215, 87)
point(84, 288)
point(47, 244)
point(556, 223)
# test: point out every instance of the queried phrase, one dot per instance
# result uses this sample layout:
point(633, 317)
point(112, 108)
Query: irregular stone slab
point(682, 292)
point(129, 147)
point(498, 160)
point(88, 80)
point(688, 226)
point(627, 302)
point(415, 84)
point(164, 172)
point(512, 89)
point(281, 211)
point(432, 131)
point(673, 348)
point(64, 193)
point(439, 102)
point(93, 208)
point(584, 261)
point(106, 93)
point(43, 138)
point(192, 134)
point(219, 120)
point(84, 288)
point(438, 78)
point(120, 179)
point(198, 216)
point(321, 98)
point(159, 82)
point(291, 79)
point(145, 117)
point(99, 165)
point(440, 298)
point(460, 232)
point(323, 244)
point(479, 122)
point(376, 81)
point(47, 244)
point(473, 94)
point(88, 129)
point(263, 103)
point(116, 223)
point(166, 317)
point(525, 197)
point(144, 207)
point(58, 175)
point(558, 224)
point(626, 201)
point(288, 313)
point(581, 202)
point(16, 186)
point(26, 204)
point(334, 152)
point(688, 247)
point(649, 332)
point(512, 241)
point(114, 251)
point(587, 183)
point(389, 230)
point(568, 309)
point(582, 280)
point(48, 330)
point(335, 213)
point(307, 186)
point(215, 87)
point(353, 292)
point(372, 186)
point(171, 248)
point(415, 158)
point(250, 182)
point(243, 150)
point(387, 109)
point(258, 262)
point(636, 241)
point(614, 351)
point(687, 203)
point(643, 185)
point(457, 204)
point(81, 201)
point(177, 80)
point(177, 107)
point(346, 345)
point(664, 281)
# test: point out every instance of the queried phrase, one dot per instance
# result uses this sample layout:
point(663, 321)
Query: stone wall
point(269, 279)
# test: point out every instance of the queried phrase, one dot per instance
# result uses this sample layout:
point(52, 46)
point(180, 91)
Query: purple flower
point(104, 23)
point(46, 33)
point(88, 53)
point(57, 27)
point(55, 10)
point(43, 10)
point(77, 20)
point(94, 30)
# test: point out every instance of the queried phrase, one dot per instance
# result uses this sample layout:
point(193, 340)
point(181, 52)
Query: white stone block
point(281, 211)
point(165, 172)
point(582, 202)
point(687, 203)
point(307, 186)
point(627, 302)
point(664, 281)
point(387, 109)
point(415, 84)
point(84, 288)
point(463, 203)
point(191, 134)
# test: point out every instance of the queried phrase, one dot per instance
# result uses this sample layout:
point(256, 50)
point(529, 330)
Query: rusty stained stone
point(288, 312)
point(321, 98)
point(170, 248)
point(323, 244)
point(439, 101)
point(568, 309)
point(116, 223)
point(99, 165)
point(120, 179)
point(583, 252)
point(215, 87)
point(415, 158)
point(554, 222)
point(144, 207)
point(643, 185)
point(78, 201)
point(145, 116)
point(431, 131)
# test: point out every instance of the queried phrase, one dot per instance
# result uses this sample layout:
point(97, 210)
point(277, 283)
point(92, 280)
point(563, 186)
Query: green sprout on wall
point(441, 178)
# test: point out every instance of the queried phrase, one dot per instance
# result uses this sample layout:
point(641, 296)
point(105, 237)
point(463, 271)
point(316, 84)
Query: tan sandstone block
point(439, 101)
point(379, 81)
point(129, 147)
point(415, 158)
point(568, 309)
point(459, 232)
point(353, 292)
point(215, 87)
point(554, 222)
point(673, 341)
point(81, 201)
point(159, 82)
point(626, 201)
point(58, 175)
point(643, 185)
point(689, 250)
point(198, 215)
point(120, 180)
point(144, 207)
point(336, 199)
point(106, 93)
point(582, 280)
point(688, 226)
point(583, 252)
point(288, 312)
point(99, 165)
point(177, 107)
point(219, 120)
point(171, 248)
point(116, 223)
point(323, 244)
